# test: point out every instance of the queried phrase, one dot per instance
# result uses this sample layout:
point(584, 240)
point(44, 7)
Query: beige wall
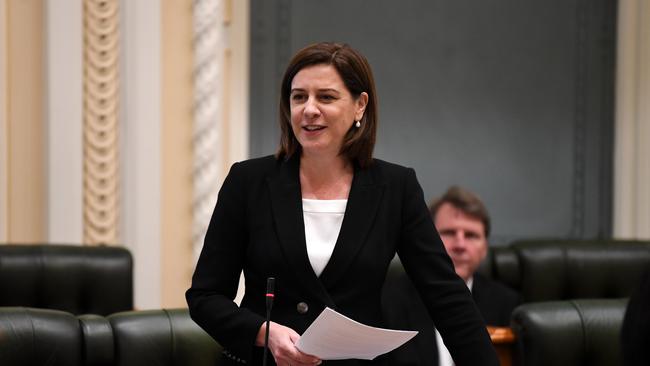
point(24, 186)
point(140, 148)
point(3, 122)
point(176, 186)
point(63, 119)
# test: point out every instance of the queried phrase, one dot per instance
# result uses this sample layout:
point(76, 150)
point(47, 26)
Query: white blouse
point(323, 219)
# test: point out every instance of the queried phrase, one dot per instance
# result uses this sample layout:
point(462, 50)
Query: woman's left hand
point(282, 345)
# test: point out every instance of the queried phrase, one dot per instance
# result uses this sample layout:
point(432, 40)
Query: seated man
point(464, 225)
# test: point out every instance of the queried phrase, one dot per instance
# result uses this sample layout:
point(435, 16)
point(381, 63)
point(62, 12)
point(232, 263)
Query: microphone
point(270, 284)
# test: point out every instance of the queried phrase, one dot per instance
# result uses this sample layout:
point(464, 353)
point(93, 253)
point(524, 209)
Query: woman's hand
point(282, 345)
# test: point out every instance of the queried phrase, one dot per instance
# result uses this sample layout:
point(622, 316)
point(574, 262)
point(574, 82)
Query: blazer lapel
point(286, 202)
point(363, 202)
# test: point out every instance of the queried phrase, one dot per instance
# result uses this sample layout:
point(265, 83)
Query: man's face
point(464, 239)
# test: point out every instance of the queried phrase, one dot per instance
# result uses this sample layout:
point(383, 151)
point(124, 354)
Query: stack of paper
point(333, 336)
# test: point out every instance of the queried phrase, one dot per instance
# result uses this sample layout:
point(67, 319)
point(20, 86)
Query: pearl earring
point(358, 124)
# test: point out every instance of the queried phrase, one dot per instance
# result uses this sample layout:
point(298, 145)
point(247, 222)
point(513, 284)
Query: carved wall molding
point(209, 46)
point(101, 107)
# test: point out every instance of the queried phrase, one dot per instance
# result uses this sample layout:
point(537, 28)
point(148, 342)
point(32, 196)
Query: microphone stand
point(270, 284)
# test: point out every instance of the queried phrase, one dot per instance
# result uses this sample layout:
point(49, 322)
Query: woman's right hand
point(282, 346)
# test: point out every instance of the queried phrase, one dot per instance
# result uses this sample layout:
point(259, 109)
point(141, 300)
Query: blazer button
point(302, 307)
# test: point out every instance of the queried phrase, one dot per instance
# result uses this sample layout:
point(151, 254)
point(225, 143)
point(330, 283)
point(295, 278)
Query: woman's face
point(322, 109)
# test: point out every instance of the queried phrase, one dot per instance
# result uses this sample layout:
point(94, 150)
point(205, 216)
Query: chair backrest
point(569, 333)
point(39, 337)
point(543, 270)
point(31, 336)
point(76, 279)
point(99, 344)
point(162, 338)
point(502, 264)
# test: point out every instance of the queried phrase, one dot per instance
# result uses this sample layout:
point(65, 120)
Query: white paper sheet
point(333, 336)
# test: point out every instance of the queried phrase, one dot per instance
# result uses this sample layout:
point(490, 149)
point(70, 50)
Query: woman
point(324, 219)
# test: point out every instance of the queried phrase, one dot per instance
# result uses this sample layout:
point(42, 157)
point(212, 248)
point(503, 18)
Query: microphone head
point(270, 286)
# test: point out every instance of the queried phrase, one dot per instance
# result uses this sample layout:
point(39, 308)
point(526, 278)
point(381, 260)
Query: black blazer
point(257, 226)
point(403, 309)
point(635, 330)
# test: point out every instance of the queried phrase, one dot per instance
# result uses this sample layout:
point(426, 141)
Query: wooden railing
point(503, 340)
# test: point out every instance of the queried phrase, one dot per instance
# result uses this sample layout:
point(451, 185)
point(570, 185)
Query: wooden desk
point(503, 340)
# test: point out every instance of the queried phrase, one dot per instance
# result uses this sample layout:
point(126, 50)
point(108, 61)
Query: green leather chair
point(548, 270)
point(35, 337)
point(569, 333)
point(162, 338)
point(39, 337)
point(73, 278)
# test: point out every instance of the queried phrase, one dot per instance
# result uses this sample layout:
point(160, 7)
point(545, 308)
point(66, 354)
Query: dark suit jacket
point(403, 309)
point(635, 330)
point(257, 226)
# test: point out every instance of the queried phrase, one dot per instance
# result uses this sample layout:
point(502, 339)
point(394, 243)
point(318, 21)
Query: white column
point(140, 155)
point(632, 143)
point(209, 140)
point(643, 124)
point(63, 116)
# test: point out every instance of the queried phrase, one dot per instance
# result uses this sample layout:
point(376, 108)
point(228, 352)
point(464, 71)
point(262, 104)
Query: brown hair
point(465, 201)
point(355, 71)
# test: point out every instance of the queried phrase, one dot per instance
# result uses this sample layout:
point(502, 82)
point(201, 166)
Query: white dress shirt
point(323, 219)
